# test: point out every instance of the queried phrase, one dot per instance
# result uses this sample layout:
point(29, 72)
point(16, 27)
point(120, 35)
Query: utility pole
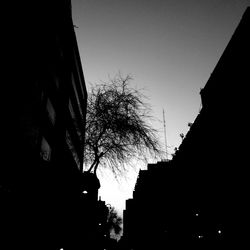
point(165, 136)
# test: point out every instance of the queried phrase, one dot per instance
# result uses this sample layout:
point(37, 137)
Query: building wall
point(199, 198)
point(212, 152)
point(43, 124)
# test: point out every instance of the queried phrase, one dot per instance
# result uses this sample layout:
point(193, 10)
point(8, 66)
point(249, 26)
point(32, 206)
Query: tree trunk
point(96, 166)
point(92, 165)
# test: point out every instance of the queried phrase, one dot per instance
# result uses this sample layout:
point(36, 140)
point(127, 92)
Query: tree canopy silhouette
point(118, 126)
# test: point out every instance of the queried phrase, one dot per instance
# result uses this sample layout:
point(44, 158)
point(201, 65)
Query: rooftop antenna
point(165, 135)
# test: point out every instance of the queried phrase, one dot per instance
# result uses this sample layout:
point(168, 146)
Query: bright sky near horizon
point(170, 47)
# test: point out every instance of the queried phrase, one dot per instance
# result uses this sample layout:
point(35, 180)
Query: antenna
point(165, 135)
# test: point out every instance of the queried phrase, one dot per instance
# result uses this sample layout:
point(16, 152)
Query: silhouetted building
point(154, 217)
point(43, 127)
point(199, 199)
point(212, 156)
point(129, 221)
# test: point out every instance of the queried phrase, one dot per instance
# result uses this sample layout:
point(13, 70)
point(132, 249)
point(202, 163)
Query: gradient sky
point(170, 47)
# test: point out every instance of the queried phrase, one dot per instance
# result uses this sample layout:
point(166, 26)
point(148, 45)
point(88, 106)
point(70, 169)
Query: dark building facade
point(202, 201)
point(154, 217)
point(43, 127)
point(212, 155)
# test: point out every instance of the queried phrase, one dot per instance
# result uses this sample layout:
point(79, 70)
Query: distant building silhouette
point(199, 198)
point(43, 127)
point(154, 216)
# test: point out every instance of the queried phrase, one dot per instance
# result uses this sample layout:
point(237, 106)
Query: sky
point(170, 47)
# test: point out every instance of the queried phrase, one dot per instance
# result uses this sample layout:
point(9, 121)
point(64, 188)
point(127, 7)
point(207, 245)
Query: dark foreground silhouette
point(197, 200)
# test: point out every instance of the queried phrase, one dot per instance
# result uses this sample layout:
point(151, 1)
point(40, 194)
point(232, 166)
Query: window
point(79, 73)
point(72, 148)
point(45, 152)
point(51, 111)
point(56, 80)
point(71, 110)
point(76, 93)
point(74, 119)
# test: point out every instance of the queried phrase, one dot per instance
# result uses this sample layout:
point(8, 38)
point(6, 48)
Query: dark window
point(45, 150)
point(51, 111)
point(72, 148)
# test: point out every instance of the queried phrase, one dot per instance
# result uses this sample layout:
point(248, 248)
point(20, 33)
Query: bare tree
point(118, 126)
